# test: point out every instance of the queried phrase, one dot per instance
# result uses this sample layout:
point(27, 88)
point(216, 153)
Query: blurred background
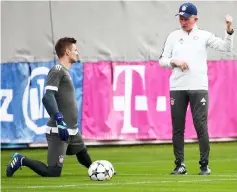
point(122, 93)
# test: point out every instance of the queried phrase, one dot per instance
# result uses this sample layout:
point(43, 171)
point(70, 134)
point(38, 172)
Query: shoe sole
point(204, 174)
point(179, 173)
point(8, 174)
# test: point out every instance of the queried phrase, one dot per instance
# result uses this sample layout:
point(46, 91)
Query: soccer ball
point(110, 165)
point(100, 170)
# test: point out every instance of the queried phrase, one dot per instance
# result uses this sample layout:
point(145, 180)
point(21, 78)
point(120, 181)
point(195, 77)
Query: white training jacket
point(192, 48)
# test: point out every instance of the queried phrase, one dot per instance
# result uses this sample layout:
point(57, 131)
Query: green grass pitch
point(139, 168)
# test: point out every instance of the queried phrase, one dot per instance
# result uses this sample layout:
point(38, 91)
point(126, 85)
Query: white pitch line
point(150, 174)
point(163, 160)
point(119, 183)
point(162, 174)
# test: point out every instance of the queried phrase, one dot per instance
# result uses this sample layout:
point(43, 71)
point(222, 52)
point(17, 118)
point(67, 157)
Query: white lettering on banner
point(37, 107)
point(5, 116)
point(123, 103)
point(37, 110)
point(161, 103)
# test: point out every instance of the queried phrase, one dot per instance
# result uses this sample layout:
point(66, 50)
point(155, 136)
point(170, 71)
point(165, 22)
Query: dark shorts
point(57, 149)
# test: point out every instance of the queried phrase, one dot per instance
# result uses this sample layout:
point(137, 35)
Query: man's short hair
point(62, 44)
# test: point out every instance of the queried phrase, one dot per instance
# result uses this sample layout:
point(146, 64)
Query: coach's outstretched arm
point(226, 44)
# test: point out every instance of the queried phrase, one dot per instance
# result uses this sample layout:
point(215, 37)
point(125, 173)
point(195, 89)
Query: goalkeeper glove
point(62, 127)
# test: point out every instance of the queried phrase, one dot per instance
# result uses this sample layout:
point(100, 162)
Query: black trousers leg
point(84, 158)
point(199, 108)
point(179, 103)
point(42, 169)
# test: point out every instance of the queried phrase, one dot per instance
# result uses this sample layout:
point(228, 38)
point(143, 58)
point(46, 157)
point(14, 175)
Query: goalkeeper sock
point(84, 158)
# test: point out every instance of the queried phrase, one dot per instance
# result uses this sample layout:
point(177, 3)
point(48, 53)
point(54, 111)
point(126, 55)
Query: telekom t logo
point(123, 103)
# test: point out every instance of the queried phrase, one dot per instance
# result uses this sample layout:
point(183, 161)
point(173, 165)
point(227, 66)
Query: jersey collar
point(63, 66)
point(195, 28)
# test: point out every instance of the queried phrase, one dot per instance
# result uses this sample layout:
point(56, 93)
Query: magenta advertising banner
point(130, 101)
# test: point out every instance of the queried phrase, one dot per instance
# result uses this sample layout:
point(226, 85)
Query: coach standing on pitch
point(185, 51)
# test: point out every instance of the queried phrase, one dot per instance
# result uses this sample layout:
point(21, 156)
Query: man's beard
point(73, 61)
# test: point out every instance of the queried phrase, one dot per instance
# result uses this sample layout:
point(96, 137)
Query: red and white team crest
point(172, 101)
point(61, 159)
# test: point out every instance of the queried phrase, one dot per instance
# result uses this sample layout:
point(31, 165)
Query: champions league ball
point(110, 165)
point(101, 170)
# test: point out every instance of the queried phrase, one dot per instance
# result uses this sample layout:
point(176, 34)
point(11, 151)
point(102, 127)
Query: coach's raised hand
point(228, 21)
point(62, 127)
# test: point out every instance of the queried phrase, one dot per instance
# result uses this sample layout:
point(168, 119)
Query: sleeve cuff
point(169, 63)
point(231, 32)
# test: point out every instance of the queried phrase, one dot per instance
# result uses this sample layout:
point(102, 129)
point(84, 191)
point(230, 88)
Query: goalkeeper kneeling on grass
point(62, 132)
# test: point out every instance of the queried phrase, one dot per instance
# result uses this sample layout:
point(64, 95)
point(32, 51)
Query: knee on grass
point(52, 172)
